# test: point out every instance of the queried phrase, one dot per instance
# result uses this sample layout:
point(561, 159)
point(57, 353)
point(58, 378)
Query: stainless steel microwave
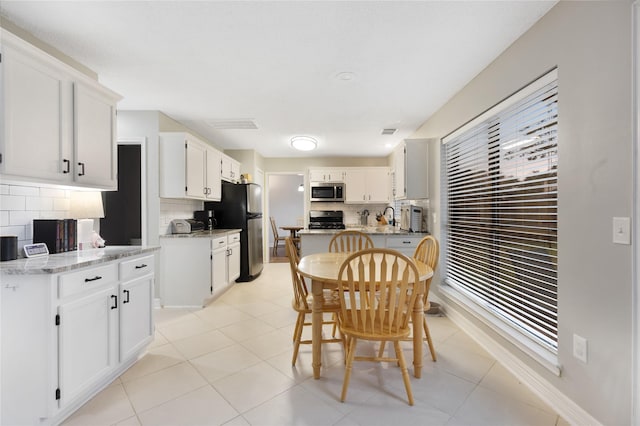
point(327, 191)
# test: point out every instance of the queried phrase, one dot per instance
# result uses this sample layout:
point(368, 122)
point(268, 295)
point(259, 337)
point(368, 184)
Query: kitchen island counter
point(67, 261)
point(371, 230)
point(317, 240)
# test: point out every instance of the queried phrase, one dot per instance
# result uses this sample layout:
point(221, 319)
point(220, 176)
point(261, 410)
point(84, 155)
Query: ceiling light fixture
point(345, 76)
point(304, 143)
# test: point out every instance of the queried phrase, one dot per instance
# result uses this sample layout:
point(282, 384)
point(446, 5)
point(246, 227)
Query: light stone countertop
point(372, 230)
point(204, 234)
point(67, 261)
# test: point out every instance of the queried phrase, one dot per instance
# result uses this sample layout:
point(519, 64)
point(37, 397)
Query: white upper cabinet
point(411, 158)
point(59, 125)
point(94, 136)
point(230, 169)
point(189, 168)
point(367, 185)
point(327, 175)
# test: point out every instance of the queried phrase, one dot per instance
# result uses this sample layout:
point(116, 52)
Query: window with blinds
point(500, 196)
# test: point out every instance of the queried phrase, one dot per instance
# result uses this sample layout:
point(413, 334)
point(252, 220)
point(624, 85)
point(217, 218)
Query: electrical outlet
point(580, 348)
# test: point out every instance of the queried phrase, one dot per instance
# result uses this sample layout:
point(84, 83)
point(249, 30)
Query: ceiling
point(340, 71)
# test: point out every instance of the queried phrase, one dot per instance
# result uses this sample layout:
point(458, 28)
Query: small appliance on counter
point(207, 217)
point(411, 218)
point(186, 226)
point(326, 219)
point(8, 248)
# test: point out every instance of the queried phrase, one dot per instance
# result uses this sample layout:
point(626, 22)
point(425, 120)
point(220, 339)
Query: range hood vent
point(233, 124)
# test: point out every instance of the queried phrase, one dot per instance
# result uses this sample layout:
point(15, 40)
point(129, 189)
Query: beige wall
point(590, 42)
point(301, 164)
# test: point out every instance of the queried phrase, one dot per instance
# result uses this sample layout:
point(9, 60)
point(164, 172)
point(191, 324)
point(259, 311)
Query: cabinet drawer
point(403, 242)
point(216, 243)
point(233, 238)
point(136, 267)
point(87, 279)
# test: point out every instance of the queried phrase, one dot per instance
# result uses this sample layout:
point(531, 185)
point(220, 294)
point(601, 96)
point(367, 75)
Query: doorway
point(123, 223)
point(285, 203)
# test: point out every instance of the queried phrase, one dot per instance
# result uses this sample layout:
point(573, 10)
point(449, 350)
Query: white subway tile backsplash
point(18, 231)
point(24, 218)
point(12, 202)
point(24, 190)
point(21, 204)
point(54, 193)
point(61, 204)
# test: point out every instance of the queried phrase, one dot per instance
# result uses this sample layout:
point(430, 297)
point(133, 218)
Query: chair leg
point(428, 339)
point(335, 325)
point(297, 337)
point(405, 373)
point(381, 350)
point(347, 372)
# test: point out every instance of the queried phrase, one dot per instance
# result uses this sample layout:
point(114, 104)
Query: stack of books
point(59, 235)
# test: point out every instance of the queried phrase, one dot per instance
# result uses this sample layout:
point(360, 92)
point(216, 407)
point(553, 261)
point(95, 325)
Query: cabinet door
point(378, 185)
point(37, 112)
point(230, 169)
point(214, 186)
point(86, 342)
point(233, 262)
point(195, 170)
point(136, 318)
point(356, 186)
point(218, 268)
point(399, 189)
point(94, 136)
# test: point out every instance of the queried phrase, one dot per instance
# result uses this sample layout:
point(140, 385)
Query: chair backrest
point(274, 228)
point(300, 291)
point(428, 252)
point(378, 290)
point(350, 241)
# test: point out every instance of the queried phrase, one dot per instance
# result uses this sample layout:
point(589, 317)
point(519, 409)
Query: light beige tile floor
point(230, 364)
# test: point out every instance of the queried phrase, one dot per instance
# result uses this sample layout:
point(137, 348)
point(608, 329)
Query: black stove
point(326, 219)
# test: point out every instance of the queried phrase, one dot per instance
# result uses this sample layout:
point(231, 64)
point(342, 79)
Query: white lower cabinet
point(85, 342)
point(233, 257)
point(66, 336)
point(197, 269)
point(218, 264)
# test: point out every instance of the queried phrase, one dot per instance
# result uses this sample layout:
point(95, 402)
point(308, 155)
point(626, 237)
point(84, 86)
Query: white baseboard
point(563, 405)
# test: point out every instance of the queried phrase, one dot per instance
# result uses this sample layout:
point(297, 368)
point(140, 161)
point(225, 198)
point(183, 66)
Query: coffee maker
point(207, 217)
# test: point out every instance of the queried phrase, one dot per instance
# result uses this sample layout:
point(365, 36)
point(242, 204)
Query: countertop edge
point(69, 261)
point(204, 234)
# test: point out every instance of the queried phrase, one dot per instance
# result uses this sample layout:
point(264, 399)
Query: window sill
point(543, 356)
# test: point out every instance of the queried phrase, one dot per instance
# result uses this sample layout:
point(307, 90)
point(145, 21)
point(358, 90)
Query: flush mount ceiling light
point(304, 143)
point(345, 76)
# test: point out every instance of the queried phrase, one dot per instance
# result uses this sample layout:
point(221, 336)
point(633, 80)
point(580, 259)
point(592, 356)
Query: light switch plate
point(622, 230)
point(580, 348)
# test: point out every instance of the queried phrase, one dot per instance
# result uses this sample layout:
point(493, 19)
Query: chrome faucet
point(393, 215)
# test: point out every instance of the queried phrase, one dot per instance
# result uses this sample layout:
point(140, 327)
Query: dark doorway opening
point(122, 208)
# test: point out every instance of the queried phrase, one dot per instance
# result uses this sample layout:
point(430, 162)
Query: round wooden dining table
point(323, 269)
point(292, 229)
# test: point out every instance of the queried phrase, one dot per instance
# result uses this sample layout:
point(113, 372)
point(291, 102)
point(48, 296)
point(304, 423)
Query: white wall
point(590, 42)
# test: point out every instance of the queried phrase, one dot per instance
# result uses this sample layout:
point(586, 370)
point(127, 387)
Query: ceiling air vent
point(389, 131)
point(233, 124)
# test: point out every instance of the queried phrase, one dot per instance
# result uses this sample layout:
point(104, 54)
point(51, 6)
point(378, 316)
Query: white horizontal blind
point(500, 198)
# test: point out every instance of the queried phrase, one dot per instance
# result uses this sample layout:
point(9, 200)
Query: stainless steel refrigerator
point(241, 207)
